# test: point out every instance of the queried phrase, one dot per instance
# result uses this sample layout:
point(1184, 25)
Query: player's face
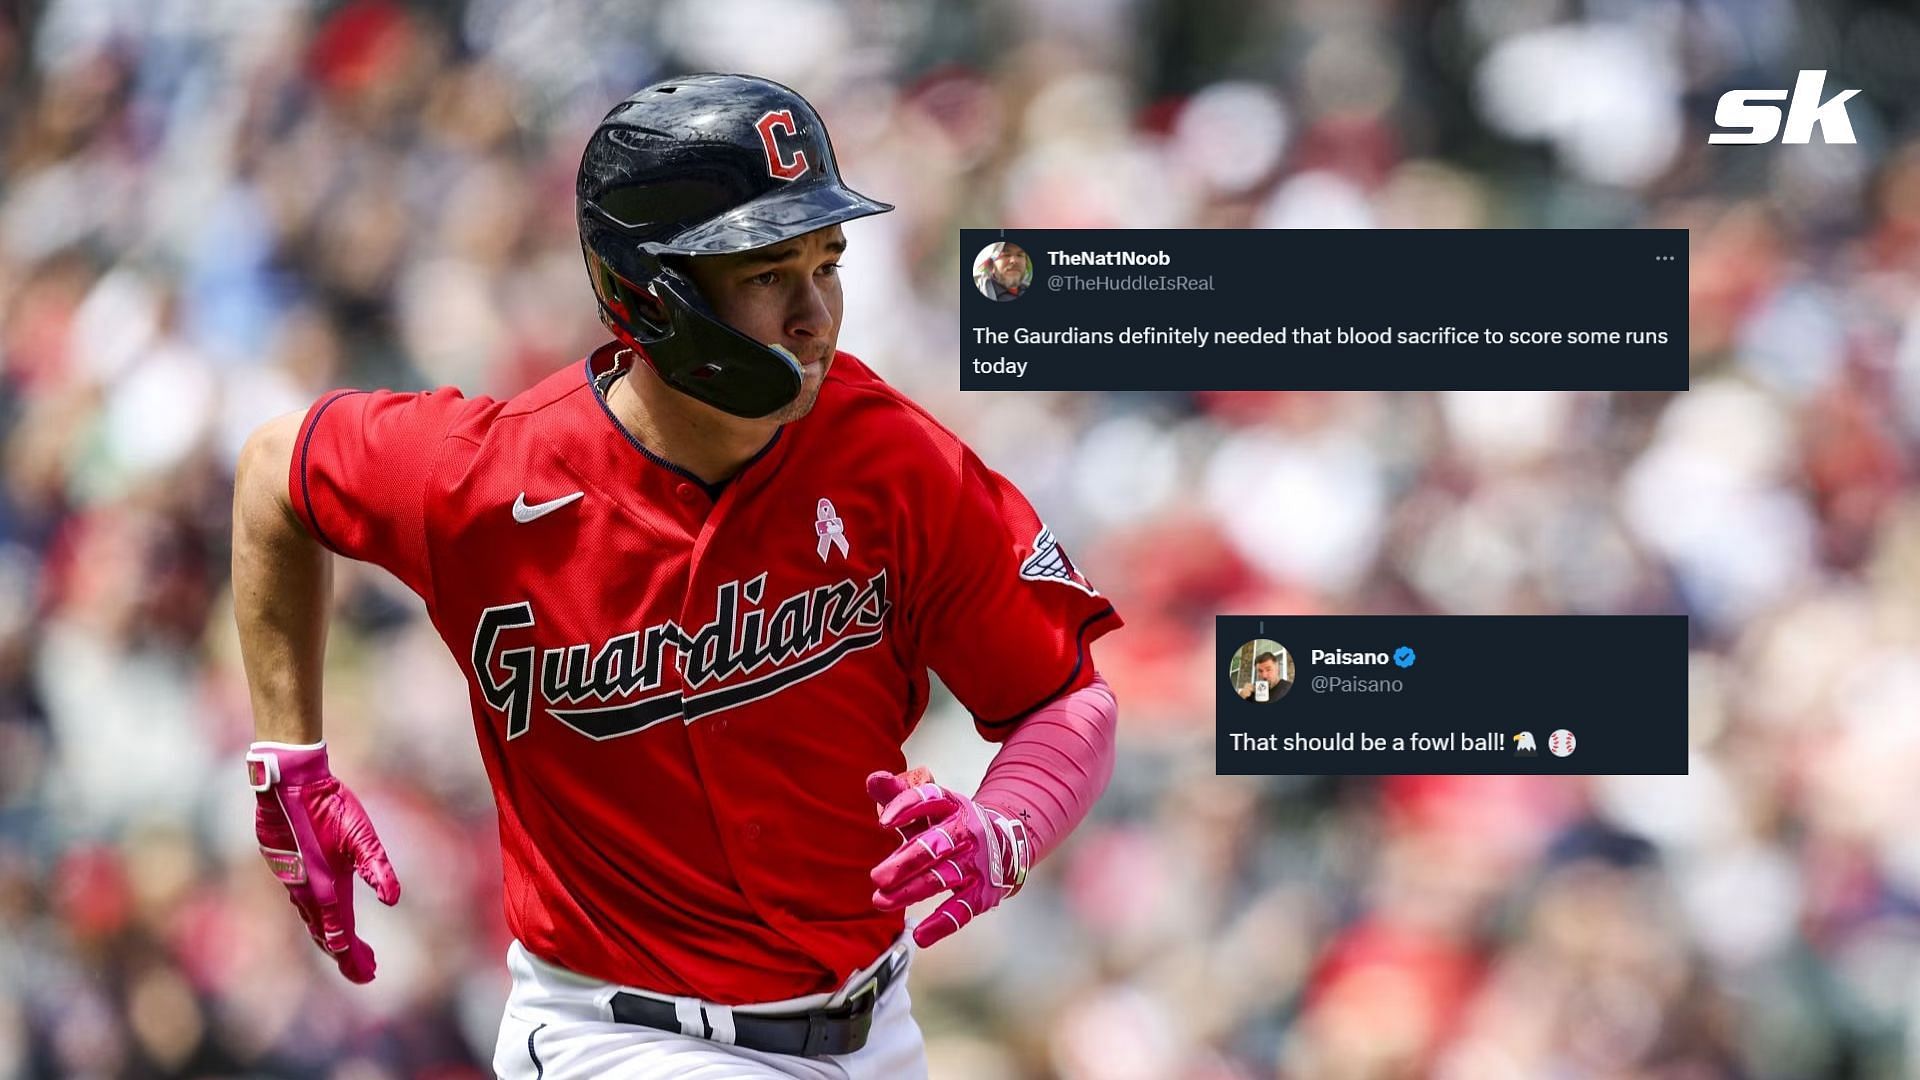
point(1269, 670)
point(786, 294)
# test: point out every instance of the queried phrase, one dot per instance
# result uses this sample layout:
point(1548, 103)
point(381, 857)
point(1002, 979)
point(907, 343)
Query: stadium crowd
point(210, 213)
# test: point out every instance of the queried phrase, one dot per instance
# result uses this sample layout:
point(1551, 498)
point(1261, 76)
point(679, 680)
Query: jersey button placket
point(695, 504)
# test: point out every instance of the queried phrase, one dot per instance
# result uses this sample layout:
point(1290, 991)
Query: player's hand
point(315, 836)
point(950, 844)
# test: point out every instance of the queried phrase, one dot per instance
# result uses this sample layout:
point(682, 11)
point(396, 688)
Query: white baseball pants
point(558, 1026)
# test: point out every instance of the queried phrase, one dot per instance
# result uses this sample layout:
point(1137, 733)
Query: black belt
point(841, 1029)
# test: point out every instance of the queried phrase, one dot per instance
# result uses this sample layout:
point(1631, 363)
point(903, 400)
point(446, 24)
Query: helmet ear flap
point(632, 305)
point(648, 308)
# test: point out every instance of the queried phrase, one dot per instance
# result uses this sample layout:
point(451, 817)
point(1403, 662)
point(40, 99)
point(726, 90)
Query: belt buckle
point(843, 1029)
point(855, 1017)
point(870, 991)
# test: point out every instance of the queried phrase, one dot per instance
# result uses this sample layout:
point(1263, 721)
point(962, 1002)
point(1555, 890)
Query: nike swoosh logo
point(523, 513)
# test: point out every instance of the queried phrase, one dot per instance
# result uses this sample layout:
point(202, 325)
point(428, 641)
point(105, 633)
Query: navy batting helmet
point(704, 165)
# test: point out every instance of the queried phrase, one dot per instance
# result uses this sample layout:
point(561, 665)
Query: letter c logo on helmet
point(779, 165)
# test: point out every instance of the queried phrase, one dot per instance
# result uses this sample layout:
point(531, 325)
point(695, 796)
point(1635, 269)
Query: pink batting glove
point(952, 844)
point(315, 834)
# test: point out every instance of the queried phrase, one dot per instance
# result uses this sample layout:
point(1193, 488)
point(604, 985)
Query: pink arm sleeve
point(1055, 764)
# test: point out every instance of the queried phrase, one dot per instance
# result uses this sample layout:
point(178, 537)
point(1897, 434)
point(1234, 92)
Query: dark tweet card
point(1323, 309)
point(1378, 694)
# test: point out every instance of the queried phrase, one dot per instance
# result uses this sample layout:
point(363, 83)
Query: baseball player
point(695, 582)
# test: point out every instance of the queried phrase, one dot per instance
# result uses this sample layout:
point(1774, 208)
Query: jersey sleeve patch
point(1049, 562)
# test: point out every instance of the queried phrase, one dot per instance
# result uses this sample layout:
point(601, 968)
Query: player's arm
point(1006, 620)
point(282, 584)
point(1053, 768)
point(1039, 788)
point(312, 830)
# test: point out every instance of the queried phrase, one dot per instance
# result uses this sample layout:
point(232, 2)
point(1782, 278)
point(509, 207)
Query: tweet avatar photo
point(1002, 271)
point(1261, 670)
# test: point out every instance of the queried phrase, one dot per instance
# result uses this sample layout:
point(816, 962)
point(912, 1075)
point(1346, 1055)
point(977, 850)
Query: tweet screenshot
point(1380, 694)
point(1324, 309)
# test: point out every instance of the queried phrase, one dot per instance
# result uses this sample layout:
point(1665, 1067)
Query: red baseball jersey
point(679, 689)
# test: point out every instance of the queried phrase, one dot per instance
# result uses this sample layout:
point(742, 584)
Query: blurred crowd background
point(211, 212)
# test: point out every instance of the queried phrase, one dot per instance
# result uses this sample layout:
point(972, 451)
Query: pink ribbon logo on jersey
point(830, 529)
